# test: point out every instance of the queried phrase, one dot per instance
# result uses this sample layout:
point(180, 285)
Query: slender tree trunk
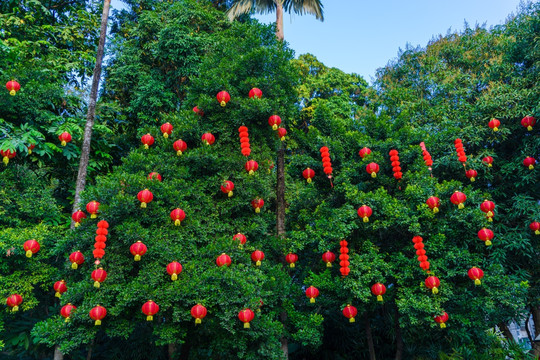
point(171, 349)
point(505, 331)
point(535, 311)
point(399, 338)
point(85, 152)
point(369, 337)
point(90, 349)
point(58, 354)
point(279, 20)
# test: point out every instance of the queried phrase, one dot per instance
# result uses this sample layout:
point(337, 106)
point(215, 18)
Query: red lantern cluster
point(137, 249)
point(396, 168)
point(178, 215)
point(31, 247)
point(257, 204)
point(460, 151)
point(434, 203)
point(372, 169)
point(7, 154)
point(441, 319)
point(344, 258)
point(364, 152)
point(13, 301)
point(223, 98)
point(92, 207)
point(364, 212)
point(488, 160)
point(251, 166)
point(274, 121)
point(147, 140)
point(350, 312)
point(257, 257)
point(99, 276)
point(494, 124)
point(308, 174)
point(145, 196)
point(255, 93)
point(281, 133)
point(208, 138)
point(327, 164)
point(471, 174)
point(535, 226)
point(101, 239)
point(180, 147)
point(244, 140)
point(246, 316)
point(291, 259)
point(420, 252)
point(433, 283)
point(241, 238)
point(223, 260)
point(489, 208)
point(150, 309)
point(154, 175)
point(166, 129)
point(378, 290)
point(66, 310)
point(476, 274)
point(427, 157)
point(174, 268)
point(64, 138)
point(458, 198)
point(97, 314)
point(77, 217)
point(312, 292)
point(529, 162)
point(528, 122)
point(486, 235)
point(59, 288)
point(13, 87)
point(198, 312)
point(328, 257)
point(227, 187)
point(76, 258)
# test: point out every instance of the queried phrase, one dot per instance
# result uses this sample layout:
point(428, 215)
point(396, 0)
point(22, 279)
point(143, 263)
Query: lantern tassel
point(257, 210)
point(5, 160)
point(312, 300)
point(329, 264)
point(137, 257)
point(351, 320)
point(443, 325)
point(174, 277)
point(435, 290)
point(146, 146)
point(12, 92)
point(143, 205)
point(489, 218)
point(251, 172)
point(489, 214)
point(149, 318)
point(282, 138)
point(96, 284)
point(258, 263)
point(28, 253)
point(29, 151)
point(97, 323)
point(472, 179)
point(77, 224)
point(274, 127)
point(531, 167)
point(529, 128)
point(365, 219)
point(57, 294)
point(179, 153)
point(177, 222)
point(488, 243)
point(74, 265)
point(93, 216)
point(489, 165)
point(379, 298)
point(374, 175)
point(309, 180)
point(230, 193)
point(197, 321)
point(292, 265)
point(222, 103)
point(461, 206)
point(67, 319)
point(537, 232)
point(165, 135)
point(15, 308)
point(246, 325)
point(495, 129)
point(477, 282)
point(63, 143)
point(435, 210)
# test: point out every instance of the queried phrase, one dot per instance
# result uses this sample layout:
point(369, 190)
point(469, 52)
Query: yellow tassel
point(365, 219)
point(488, 243)
point(472, 179)
point(67, 319)
point(282, 138)
point(495, 129)
point(312, 300)
point(146, 146)
point(174, 277)
point(137, 257)
point(77, 224)
point(179, 153)
point(63, 143)
point(309, 180)
point(177, 222)
point(443, 325)
point(257, 210)
point(351, 320)
point(490, 165)
point(374, 175)
point(74, 265)
point(435, 210)
point(57, 294)
point(537, 232)
point(28, 253)
point(274, 127)
point(12, 92)
point(477, 282)
point(246, 325)
point(230, 193)
point(251, 172)
point(97, 284)
point(143, 205)
point(529, 128)
point(165, 135)
point(29, 151)
point(15, 308)
point(5, 160)
point(292, 265)
point(97, 323)
point(489, 214)
point(490, 219)
point(93, 216)
point(379, 297)
point(197, 321)
point(461, 206)
point(435, 290)
point(223, 103)
point(149, 318)
point(258, 263)
point(531, 167)
point(328, 264)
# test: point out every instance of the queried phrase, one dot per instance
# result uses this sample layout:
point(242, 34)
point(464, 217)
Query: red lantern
point(97, 314)
point(154, 175)
point(241, 238)
point(13, 87)
point(434, 203)
point(145, 196)
point(174, 268)
point(60, 288)
point(101, 238)
point(344, 258)
point(494, 124)
point(178, 215)
point(433, 283)
point(528, 122)
point(64, 138)
point(208, 139)
point(364, 152)
point(327, 164)
point(166, 130)
point(99, 276)
point(396, 168)
point(251, 166)
point(92, 207)
point(378, 290)
point(179, 146)
point(66, 310)
point(255, 93)
point(291, 259)
point(13, 301)
point(488, 160)
point(223, 97)
point(364, 212)
point(427, 157)
point(227, 187)
point(147, 140)
point(150, 309)
point(372, 169)
point(308, 174)
point(138, 249)
point(31, 247)
point(535, 226)
point(197, 111)
point(7, 154)
point(458, 198)
point(350, 312)
point(488, 207)
point(274, 121)
point(246, 316)
point(257, 256)
point(460, 151)
point(486, 235)
point(476, 274)
point(103, 224)
point(76, 258)
point(282, 132)
point(77, 217)
point(223, 259)
point(441, 319)
point(328, 257)
point(424, 265)
point(198, 312)
point(244, 140)
point(312, 292)
point(529, 162)
point(471, 174)
point(257, 204)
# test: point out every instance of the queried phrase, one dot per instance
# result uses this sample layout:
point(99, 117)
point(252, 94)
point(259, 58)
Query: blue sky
point(362, 35)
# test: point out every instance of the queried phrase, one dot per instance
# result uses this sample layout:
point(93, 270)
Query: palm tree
point(300, 7)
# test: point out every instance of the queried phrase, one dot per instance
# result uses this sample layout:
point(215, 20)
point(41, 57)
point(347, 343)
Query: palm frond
point(301, 7)
point(241, 7)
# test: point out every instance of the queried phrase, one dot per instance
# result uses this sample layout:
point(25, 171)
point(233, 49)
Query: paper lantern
point(326, 162)
point(350, 312)
point(344, 258)
point(426, 155)
point(257, 256)
point(486, 235)
point(528, 122)
point(31, 247)
point(30, 148)
point(308, 174)
point(76, 258)
point(99, 276)
point(291, 259)
point(241, 238)
point(476, 274)
point(488, 160)
point(535, 226)
point(174, 268)
point(274, 121)
point(198, 111)
point(364, 152)
point(251, 166)
point(378, 290)
point(396, 165)
point(471, 174)
point(147, 140)
point(59, 288)
point(208, 138)
point(488, 207)
point(137, 249)
point(13, 301)
point(328, 257)
point(460, 151)
point(312, 292)
point(458, 198)
point(441, 319)
point(145, 196)
point(244, 140)
point(166, 129)
point(494, 124)
point(77, 217)
point(529, 162)
point(433, 283)
point(434, 203)
point(223, 260)
point(178, 215)
point(92, 207)
point(257, 204)
point(154, 176)
point(64, 138)
point(13, 87)
point(372, 169)
point(66, 310)
point(198, 312)
point(97, 314)
point(227, 187)
point(282, 133)
point(7, 154)
point(223, 98)
point(255, 93)
point(364, 212)
point(150, 309)
point(246, 316)
point(180, 147)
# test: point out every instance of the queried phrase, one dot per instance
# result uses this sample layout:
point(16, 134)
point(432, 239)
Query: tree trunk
point(505, 331)
point(535, 311)
point(85, 152)
point(399, 338)
point(171, 349)
point(369, 337)
point(58, 354)
point(279, 21)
